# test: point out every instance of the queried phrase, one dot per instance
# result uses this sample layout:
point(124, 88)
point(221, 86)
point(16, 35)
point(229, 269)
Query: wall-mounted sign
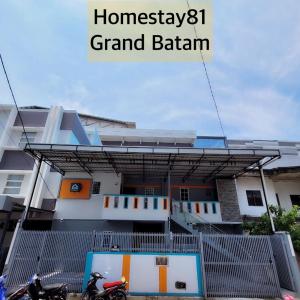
point(75, 187)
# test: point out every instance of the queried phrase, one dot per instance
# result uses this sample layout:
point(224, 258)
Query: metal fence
point(282, 264)
point(235, 266)
point(239, 266)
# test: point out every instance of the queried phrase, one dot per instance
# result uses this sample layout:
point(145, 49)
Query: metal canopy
point(151, 161)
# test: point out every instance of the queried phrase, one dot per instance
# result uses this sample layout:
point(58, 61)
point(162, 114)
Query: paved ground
point(284, 292)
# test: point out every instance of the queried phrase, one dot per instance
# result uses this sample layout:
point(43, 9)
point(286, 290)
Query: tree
point(283, 221)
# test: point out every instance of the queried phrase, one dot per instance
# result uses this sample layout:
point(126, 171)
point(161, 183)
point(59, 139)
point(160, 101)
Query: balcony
point(135, 207)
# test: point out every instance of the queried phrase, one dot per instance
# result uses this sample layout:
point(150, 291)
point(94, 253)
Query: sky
point(255, 70)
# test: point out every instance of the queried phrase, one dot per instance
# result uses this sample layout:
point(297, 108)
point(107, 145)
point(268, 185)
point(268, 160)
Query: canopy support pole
point(263, 183)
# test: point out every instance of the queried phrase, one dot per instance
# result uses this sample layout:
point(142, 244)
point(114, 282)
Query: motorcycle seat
point(53, 286)
point(107, 285)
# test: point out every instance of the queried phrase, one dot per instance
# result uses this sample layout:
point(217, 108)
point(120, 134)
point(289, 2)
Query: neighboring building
point(119, 178)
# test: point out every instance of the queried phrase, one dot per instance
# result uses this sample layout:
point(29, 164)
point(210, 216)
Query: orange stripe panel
point(162, 279)
point(126, 269)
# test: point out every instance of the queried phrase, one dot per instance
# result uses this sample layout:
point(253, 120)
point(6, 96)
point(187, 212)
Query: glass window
point(96, 187)
point(145, 203)
point(295, 199)
point(205, 208)
point(197, 206)
point(126, 202)
point(184, 194)
point(254, 198)
point(149, 191)
point(23, 140)
point(189, 206)
point(13, 184)
point(116, 202)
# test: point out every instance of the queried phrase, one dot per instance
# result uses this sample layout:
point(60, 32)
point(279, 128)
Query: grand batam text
point(191, 17)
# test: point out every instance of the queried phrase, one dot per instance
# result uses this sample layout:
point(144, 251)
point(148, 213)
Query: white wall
point(284, 189)
point(92, 208)
point(131, 213)
point(254, 183)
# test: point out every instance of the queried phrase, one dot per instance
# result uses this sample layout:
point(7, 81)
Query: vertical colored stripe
point(163, 279)
point(126, 269)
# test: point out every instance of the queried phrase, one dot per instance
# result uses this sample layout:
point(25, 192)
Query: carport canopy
point(152, 161)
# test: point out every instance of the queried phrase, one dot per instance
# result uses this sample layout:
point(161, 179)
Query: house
point(82, 172)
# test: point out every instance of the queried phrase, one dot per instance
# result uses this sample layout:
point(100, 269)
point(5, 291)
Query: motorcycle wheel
point(119, 295)
point(85, 296)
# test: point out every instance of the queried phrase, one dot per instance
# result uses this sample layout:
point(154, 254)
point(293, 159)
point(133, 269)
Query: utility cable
point(208, 80)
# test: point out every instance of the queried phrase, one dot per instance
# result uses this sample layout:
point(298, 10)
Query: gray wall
point(16, 160)
point(195, 193)
point(228, 199)
point(32, 118)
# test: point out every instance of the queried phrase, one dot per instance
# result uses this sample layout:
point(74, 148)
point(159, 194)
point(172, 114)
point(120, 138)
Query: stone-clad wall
point(228, 199)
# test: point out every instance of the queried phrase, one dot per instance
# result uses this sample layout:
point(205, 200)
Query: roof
point(151, 161)
point(126, 123)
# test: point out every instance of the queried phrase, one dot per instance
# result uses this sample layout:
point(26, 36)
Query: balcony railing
point(135, 207)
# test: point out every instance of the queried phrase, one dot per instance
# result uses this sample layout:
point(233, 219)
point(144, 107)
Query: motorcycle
point(55, 291)
point(111, 290)
point(34, 290)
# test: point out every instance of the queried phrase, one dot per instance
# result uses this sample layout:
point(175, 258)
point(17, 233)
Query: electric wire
point(208, 80)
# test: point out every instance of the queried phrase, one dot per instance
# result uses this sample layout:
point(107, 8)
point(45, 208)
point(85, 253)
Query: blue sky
point(255, 70)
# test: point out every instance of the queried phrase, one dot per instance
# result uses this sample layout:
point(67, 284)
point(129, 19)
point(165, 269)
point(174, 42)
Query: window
point(106, 202)
point(23, 140)
point(149, 191)
point(205, 208)
point(189, 207)
point(184, 194)
point(136, 203)
point(254, 198)
point(13, 184)
point(277, 199)
point(96, 187)
point(295, 199)
point(197, 208)
point(126, 202)
point(145, 203)
point(155, 203)
point(116, 202)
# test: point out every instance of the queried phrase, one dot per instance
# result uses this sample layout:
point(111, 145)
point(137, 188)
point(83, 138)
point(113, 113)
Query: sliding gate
point(232, 265)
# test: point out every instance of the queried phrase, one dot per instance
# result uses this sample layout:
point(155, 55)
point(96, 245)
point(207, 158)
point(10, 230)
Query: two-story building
point(83, 172)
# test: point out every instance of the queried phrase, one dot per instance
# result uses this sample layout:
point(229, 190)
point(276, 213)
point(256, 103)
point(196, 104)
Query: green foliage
point(283, 221)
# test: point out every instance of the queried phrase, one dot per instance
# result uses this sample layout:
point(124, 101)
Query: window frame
point(31, 135)
point(13, 184)
point(255, 201)
point(93, 187)
point(187, 194)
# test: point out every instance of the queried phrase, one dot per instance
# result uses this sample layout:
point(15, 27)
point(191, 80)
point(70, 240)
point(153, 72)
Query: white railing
point(135, 207)
point(199, 211)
